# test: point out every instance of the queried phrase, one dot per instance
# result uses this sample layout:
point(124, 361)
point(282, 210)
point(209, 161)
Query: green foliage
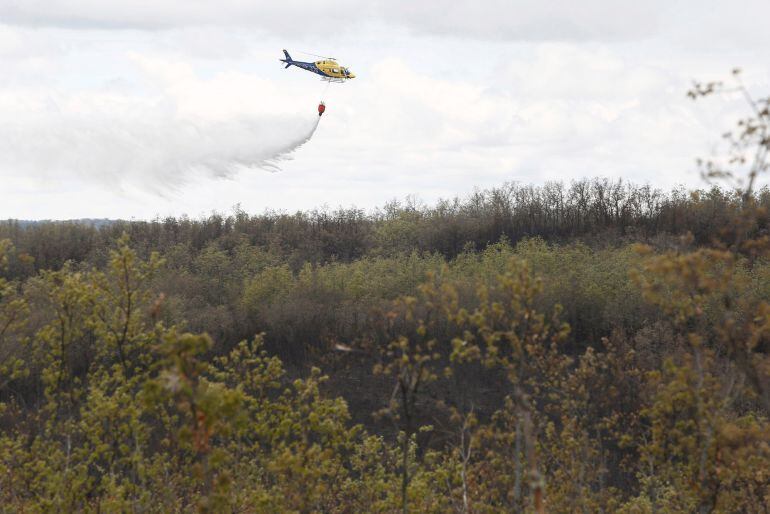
point(109, 406)
point(149, 422)
point(14, 311)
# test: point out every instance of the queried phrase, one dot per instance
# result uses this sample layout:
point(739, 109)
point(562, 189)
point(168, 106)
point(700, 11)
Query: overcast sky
point(144, 108)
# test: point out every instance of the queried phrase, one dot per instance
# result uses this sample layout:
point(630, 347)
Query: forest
point(597, 346)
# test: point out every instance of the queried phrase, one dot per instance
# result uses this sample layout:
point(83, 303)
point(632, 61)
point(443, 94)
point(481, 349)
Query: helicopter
point(328, 68)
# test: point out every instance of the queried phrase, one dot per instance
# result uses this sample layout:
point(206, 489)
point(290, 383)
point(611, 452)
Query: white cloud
point(512, 20)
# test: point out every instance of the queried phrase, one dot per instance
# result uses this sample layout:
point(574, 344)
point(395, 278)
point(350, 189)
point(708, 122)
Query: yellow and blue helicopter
point(328, 68)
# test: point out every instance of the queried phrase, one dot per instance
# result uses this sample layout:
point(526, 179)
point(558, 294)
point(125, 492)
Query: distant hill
point(89, 222)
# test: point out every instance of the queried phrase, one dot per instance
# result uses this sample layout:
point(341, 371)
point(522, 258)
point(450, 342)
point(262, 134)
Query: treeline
point(248, 364)
point(596, 211)
point(310, 278)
